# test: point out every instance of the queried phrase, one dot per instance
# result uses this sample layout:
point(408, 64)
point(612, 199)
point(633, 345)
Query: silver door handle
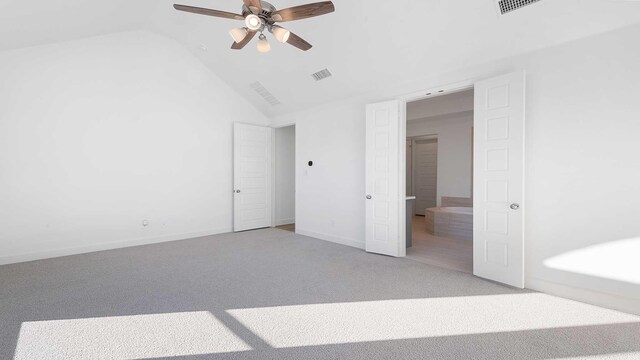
point(515, 206)
point(368, 197)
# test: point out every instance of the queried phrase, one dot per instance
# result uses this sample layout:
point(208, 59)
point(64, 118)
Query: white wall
point(99, 134)
point(285, 167)
point(579, 197)
point(454, 151)
point(330, 194)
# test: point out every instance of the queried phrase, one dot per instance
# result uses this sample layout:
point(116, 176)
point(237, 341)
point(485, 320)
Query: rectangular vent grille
point(322, 74)
point(507, 6)
point(264, 93)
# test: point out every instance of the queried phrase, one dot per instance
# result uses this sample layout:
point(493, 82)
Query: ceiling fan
point(259, 16)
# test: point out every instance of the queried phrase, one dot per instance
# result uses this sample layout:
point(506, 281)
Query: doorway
point(439, 171)
point(264, 177)
point(498, 173)
point(424, 172)
point(285, 178)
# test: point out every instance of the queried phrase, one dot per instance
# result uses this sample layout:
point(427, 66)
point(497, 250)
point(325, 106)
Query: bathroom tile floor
point(439, 251)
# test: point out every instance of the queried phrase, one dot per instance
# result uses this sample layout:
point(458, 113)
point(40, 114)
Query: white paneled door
point(382, 233)
point(498, 214)
point(252, 196)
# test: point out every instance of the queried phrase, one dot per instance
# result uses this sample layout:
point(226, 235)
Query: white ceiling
point(34, 22)
point(436, 106)
point(367, 44)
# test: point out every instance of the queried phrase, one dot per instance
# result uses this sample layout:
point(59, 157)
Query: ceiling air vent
point(322, 74)
point(266, 95)
point(507, 6)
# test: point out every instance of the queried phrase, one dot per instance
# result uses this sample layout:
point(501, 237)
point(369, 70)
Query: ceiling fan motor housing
point(265, 15)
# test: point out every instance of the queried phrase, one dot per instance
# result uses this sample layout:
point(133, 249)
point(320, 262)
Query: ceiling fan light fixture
point(263, 44)
point(280, 33)
point(253, 22)
point(238, 34)
point(259, 15)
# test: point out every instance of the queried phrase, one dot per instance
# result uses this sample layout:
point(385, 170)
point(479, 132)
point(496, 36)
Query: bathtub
point(450, 222)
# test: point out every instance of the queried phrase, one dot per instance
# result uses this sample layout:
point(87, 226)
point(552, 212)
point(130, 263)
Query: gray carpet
point(271, 294)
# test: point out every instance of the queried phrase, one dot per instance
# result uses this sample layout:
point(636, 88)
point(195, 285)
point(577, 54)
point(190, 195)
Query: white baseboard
point(331, 238)
point(285, 222)
point(615, 302)
point(48, 254)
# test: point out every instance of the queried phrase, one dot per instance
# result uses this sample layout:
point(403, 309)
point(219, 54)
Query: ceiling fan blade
point(209, 12)
point(303, 11)
point(298, 42)
point(244, 42)
point(253, 3)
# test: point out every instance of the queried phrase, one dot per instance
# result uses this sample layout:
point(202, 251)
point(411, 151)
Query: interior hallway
point(439, 251)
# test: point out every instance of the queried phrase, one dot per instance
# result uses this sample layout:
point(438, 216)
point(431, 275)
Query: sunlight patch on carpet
point(127, 337)
point(352, 322)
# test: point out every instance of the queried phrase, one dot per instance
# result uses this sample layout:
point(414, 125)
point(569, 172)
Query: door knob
point(238, 191)
point(515, 206)
point(368, 197)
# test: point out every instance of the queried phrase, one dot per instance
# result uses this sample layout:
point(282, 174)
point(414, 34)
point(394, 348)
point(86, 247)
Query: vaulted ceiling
point(365, 44)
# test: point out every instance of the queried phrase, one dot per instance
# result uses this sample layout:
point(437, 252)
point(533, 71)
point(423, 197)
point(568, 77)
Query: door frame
point(428, 93)
point(432, 92)
point(273, 170)
point(413, 164)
